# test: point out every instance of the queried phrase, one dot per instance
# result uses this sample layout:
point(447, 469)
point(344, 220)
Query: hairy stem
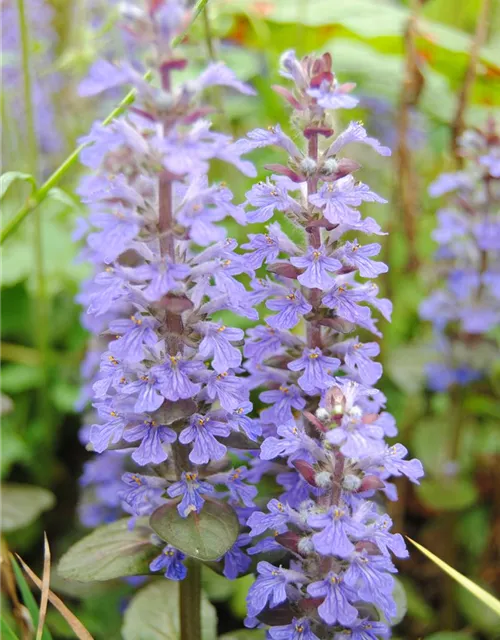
point(314, 239)
point(190, 602)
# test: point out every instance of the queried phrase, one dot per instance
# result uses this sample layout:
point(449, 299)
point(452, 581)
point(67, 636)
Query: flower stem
point(190, 602)
point(314, 238)
point(41, 306)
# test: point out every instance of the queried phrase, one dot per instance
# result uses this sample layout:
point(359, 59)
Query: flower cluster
point(464, 312)
point(163, 372)
point(45, 85)
point(325, 425)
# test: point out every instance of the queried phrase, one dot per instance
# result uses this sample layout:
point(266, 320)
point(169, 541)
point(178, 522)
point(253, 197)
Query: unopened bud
point(305, 546)
point(370, 483)
point(308, 166)
point(322, 414)
point(323, 479)
point(329, 166)
point(164, 100)
point(351, 482)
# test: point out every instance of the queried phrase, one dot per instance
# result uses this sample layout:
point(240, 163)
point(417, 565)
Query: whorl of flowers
point(45, 83)
point(467, 308)
point(325, 423)
point(164, 371)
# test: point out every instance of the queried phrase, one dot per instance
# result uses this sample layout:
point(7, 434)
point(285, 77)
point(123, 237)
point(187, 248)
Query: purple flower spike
point(191, 488)
point(298, 629)
point(336, 607)
point(202, 431)
point(317, 263)
point(270, 587)
point(333, 539)
point(217, 344)
point(318, 370)
point(174, 376)
point(163, 377)
point(325, 424)
point(170, 562)
point(152, 437)
point(291, 307)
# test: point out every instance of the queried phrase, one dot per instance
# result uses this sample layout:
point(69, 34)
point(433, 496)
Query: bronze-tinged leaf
point(206, 535)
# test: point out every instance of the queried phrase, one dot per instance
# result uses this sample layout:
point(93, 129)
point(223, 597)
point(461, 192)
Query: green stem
point(41, 321)
point(41, 193)
point(190, 595)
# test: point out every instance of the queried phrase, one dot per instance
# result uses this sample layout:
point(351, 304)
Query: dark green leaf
point(112, 551)
point(153, 614)
point(447, 494)
point(21, 504)
point(206, 535)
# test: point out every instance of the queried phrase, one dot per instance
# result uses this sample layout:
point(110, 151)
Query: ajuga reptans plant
point(325, 425)
point(467, 308)
point(163, 373)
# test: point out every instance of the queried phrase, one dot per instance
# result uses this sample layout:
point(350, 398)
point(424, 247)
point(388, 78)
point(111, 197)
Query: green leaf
point(449, 635)
point(418, 607)
point(480, 615)
point(399, 596)
point(28, 598)
point(10, 177)
point(20, 377)
point(63, 198)
point(206, 535)
point(7, 632)
point(244, 634)
point(487, 599)
point(6, 404)
point(153, 614)
point(238, 601)
point(447, 494)
point(218, 588)
point(21, 504)
point(405, 365)
point(112, 551)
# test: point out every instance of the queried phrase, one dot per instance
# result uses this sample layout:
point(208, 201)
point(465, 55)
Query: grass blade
point(481, 594)
point(44, 600)
point(28, 598)
point(75, 624)
point(7, 632)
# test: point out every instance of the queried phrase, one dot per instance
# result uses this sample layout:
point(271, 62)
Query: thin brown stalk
point(44, 600)
point(413, 83)
point(77, 627)
point(458, 124)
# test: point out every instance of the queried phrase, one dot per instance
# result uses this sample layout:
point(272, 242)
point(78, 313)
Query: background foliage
point(456, 510)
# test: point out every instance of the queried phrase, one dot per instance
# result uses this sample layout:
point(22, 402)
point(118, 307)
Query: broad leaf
point(206, 535)
point(447, 494)
point(12, 176)
point(112, 551)
point(153, 614)
point(21, 504)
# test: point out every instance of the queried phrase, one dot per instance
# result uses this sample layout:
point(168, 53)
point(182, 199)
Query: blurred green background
point(456, 510)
